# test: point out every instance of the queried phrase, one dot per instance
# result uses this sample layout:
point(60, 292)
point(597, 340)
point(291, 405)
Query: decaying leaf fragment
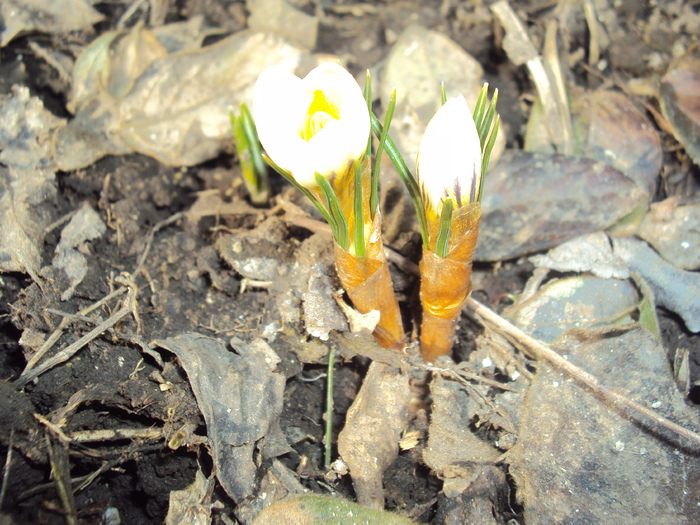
point(579, 460)
point(612, 256)
point(85, 225)
point(673, 231)
point(279, 16)
point(533, 202)
point(192, 504)
point(171, 106)
point(674, 289)
point(451, 442)
point(370, 440)
point(606, 126)
point(581, 301)
point(27, 175)
point(588, 253)
point(680, 103)
point(56, 16)
point(240, 396)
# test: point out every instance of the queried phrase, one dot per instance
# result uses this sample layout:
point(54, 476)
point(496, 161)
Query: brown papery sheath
point(368, 283)
point(446, 282)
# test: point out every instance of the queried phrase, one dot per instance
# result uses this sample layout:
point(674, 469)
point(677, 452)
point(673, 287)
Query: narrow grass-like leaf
point(486, 154)
point(480, 107)
point(443, 92)
point(245, 158)
point(288, 176)
point(443, 239)
point(374, 193)
point(334, 209)
point(407, 177)
point(487, 135)
point(253, 166)
point(488, 120)
point(359, 212)
point(255, 149)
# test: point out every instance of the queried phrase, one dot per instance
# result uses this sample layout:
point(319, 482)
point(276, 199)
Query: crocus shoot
point(446, 193)
point(452, 161)
point(253, 167)
point(316, 133)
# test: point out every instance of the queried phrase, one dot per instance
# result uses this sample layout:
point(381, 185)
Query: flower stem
point(328, 437)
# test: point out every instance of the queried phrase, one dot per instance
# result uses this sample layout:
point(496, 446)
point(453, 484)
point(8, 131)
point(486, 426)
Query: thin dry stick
point(91, 436)
point(6, 468)
point(56, 335)
point(537, 350)
point(70, 351)
point(464, 375)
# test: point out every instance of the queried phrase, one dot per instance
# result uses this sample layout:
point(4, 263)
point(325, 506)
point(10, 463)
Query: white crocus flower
point(449, 159)
point(316, 124)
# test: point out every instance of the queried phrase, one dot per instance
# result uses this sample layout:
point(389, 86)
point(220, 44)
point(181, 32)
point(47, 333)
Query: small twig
point(68, 216)
point(302, 377)
point(84, 481)
point(90, 436)
point(307, 222)
point(135, 6)
point(538, 350)
point(56, 335)
point(56, 429)
point(6, 468)
point(463, 375)
point(70, 351)
point(60, 473)
point(54, 60)
point(253, 283)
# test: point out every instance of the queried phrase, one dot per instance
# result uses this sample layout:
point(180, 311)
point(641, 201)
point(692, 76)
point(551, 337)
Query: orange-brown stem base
point(446, 282)
point(445, 285)
point(368, 283)
point(437, 335)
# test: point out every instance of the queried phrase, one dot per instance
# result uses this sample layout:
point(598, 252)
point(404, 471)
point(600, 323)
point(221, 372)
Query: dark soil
point(116, 383)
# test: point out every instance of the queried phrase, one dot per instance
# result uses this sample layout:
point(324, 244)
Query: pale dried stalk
point(68, 352)
point(538, 350)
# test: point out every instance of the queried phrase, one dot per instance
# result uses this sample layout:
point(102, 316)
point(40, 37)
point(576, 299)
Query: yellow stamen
point(320, 112)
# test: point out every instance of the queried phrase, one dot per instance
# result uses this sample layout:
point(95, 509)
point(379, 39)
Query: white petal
point(280, 106)
point(277, 111)
point(449, 159)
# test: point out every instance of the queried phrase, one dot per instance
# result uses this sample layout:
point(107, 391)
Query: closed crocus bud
point(318, 124)
point(449, 159)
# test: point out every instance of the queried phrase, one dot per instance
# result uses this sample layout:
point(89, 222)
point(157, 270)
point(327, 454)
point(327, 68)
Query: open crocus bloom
point(449, 159)
point(318, 124)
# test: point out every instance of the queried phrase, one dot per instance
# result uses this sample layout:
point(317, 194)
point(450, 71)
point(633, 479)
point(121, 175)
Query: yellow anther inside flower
point(320, 112)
